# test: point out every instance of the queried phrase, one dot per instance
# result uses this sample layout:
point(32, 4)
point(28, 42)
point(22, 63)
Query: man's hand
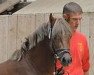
point(86, 73)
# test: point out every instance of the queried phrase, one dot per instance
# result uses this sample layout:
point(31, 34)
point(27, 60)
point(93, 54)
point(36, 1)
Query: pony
point(40, 49)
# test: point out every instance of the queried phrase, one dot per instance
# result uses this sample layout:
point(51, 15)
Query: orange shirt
point(80, 55)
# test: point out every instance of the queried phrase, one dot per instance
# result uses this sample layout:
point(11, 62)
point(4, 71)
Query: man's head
point(72, 13)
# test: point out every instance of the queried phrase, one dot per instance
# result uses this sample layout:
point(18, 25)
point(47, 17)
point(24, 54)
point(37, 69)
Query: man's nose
point(78, 22)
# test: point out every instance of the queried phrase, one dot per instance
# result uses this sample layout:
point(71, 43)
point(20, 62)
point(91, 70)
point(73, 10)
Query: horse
point(38, 51)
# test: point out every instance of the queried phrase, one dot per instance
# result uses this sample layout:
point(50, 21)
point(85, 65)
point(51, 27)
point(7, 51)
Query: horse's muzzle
point(64, 56)
point(66, 59)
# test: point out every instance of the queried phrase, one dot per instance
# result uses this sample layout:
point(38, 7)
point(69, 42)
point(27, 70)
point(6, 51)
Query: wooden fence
point(13, 28)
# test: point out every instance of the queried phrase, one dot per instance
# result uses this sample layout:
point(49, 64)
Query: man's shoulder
point(81, 35)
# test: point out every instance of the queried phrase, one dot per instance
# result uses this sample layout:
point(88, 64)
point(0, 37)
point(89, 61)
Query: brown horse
point(36, 56)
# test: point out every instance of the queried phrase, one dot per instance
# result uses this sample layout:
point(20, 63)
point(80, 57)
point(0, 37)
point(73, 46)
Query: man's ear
point(66, 16)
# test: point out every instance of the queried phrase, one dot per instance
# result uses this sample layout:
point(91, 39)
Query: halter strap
point(59, 51)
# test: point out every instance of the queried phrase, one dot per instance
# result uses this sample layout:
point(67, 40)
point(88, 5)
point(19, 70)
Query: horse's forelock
point(61, 27)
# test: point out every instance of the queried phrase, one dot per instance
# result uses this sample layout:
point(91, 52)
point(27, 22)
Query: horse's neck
point(41, 58)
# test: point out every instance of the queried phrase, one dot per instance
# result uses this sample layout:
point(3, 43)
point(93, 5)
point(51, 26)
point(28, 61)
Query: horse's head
point(61, 35)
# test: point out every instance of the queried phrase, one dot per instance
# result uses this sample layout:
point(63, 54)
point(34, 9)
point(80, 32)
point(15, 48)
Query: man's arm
point(86, 73)
point(86, 63)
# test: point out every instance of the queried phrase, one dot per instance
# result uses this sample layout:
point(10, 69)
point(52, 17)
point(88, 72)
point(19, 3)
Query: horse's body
point(36, 56)
point(38, 61)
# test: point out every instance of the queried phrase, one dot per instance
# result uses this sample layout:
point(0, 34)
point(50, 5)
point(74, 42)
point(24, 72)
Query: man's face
point(74, 19)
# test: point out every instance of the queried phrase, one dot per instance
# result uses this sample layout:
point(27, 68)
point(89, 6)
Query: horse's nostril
point(69, 61)
point(66, 61)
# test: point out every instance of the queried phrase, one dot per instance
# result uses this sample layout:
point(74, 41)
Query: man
point(72, 13)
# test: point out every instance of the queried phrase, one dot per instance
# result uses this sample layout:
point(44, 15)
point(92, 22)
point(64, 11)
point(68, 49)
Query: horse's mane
point(32, 40)
point(60, 26)
point(36, 36)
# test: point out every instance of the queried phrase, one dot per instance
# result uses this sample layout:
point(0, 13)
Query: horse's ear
point(52, 19)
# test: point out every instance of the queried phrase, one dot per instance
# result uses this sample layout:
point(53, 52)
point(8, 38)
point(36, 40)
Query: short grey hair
point(72, 7)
